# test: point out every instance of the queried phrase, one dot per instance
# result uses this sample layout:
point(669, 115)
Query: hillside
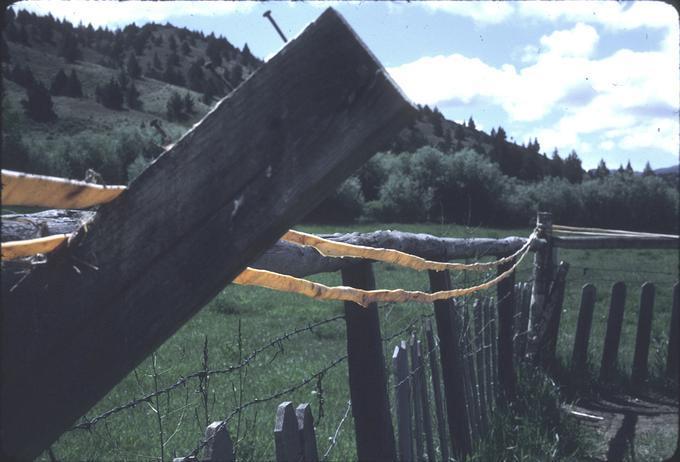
point(154, 62)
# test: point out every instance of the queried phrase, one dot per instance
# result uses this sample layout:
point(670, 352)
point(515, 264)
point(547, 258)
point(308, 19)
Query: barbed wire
point(87, 424)
point(334, 438)
point(255, 401)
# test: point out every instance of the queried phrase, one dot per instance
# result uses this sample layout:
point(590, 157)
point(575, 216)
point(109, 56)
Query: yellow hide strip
point(285, 283)
point(46, 191)
point(338, 249)
point(17, 249)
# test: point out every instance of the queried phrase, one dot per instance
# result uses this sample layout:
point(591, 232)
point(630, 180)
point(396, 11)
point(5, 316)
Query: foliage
point(38, 103)
point(175, 107)
point(110, 95)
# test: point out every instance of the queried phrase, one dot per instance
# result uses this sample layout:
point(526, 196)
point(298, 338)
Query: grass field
point(241, 319)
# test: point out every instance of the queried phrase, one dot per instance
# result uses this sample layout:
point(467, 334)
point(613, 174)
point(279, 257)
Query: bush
point(344, 206)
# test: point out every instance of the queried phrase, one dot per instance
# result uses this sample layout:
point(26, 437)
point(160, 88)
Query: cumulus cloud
point(627, 100)
point(109, 13)
point(579, 41)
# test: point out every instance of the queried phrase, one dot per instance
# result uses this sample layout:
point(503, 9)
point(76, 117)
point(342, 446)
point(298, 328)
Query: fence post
point(366, 365)
point(673, 338)
point(305, 422)
point(543, 275)
point(493, 350)
point(436, 389)
point(579, 358)
point(415, 398)
point(425, 400)
point(643, 336)
point(286, 434)
point(550, 326)
point(218, 448)
point(449, 332)
point(403, 392)
point(505, 305)
point(612, 337)
point(471, 402)
point(523, 326)
point(477, 309)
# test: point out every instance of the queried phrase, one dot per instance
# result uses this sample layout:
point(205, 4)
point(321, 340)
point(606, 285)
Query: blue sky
point(598, 77)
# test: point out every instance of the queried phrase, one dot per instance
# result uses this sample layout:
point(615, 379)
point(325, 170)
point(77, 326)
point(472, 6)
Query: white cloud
point(480, 12)
point(113, 13)
point(625, 101)
point(579, 41)
point(612, 15)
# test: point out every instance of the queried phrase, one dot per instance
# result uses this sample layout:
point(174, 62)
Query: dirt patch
point(629, 427)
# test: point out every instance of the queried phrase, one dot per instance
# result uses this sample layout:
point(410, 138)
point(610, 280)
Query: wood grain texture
point(257, 163)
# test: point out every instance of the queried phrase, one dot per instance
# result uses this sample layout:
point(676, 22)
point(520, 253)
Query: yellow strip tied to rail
point(285, 283)
point(45, 191)
point(28, 247)
point(340, 249)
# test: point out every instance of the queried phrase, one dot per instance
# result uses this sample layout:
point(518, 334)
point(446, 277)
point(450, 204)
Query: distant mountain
point(674, 170)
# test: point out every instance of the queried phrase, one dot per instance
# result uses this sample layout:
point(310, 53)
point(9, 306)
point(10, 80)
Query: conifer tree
point(74, 88)
point(38, 103)
point(59, 85)
point(133, 68)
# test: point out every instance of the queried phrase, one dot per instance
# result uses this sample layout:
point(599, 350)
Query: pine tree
point(556, 165)
point(38, 103)
point(648, 170)
point(471, 124)
point(110, 95)
point(188, 103)
point(175, 106)
point(185, 48)
point(629, 169)
point(157, 61)
point(173, 44)
point(69, 47)
point(572, 168)
point(74, 88)
point(59, 85)
point(132, 97)
point(133, 68)
point(601, 171)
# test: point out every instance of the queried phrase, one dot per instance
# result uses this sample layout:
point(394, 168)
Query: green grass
point(265, 315)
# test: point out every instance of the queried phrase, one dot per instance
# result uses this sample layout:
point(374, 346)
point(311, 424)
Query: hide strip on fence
point(330, 248)
point(18, 249)
point(24, 189)
point(285, 283)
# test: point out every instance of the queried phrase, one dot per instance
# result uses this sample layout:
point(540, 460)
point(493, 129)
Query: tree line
point(469, 188)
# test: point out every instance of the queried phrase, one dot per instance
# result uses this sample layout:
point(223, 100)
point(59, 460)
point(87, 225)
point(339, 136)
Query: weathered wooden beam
point(616, 242)
point(257, 163)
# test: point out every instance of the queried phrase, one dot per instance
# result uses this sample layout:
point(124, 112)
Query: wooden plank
point(643, 335)
point(425, 401)
point(305, 421)
point(469, 376)
point(674, 337)
point(505, 306)
point(436, 391)
point(523, 325)
point(287, 441)
point(478, 309)
point(542, 275)
point(220, 447)
point(366, 367)
point(449, 330)
point(403, 392)
point(579, 358)
point(612, 337)
point(493, 343)
point(601, 243)
point(550, 326)
point(265, 156)
point(416, 390)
